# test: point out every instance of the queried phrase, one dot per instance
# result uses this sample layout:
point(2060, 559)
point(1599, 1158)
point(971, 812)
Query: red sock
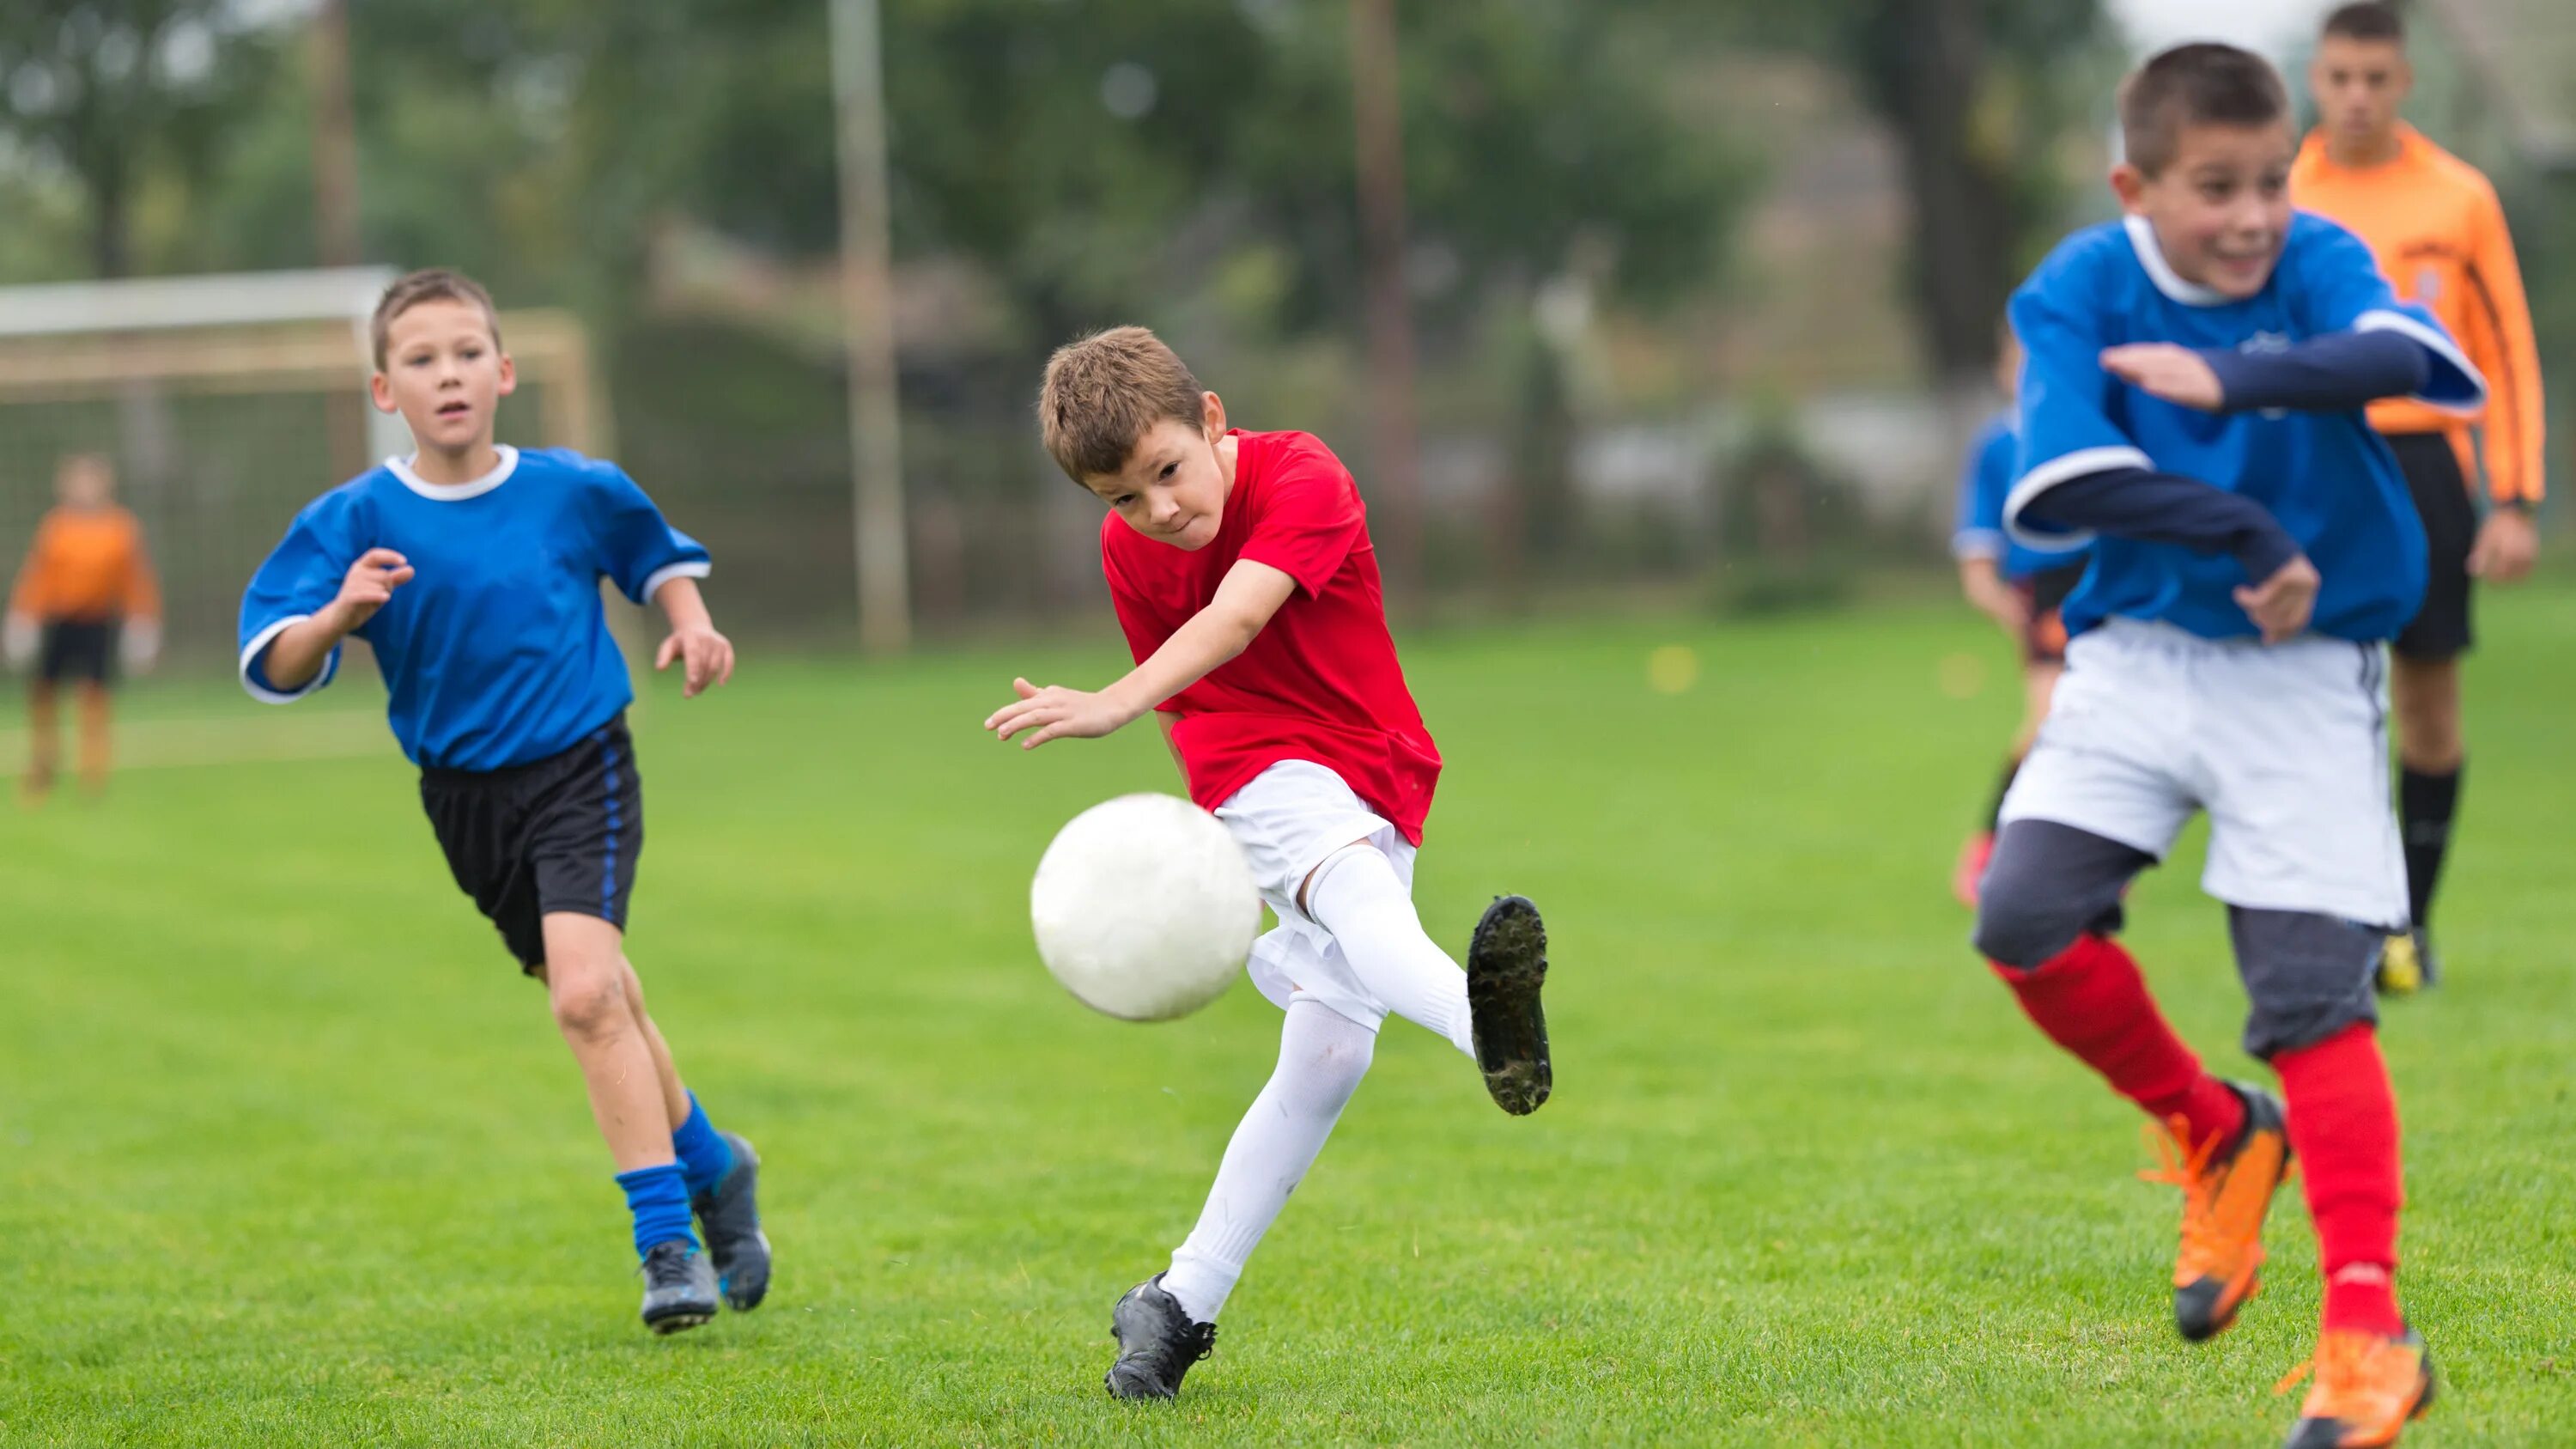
point(2343, 1129)
point(2091, 1000)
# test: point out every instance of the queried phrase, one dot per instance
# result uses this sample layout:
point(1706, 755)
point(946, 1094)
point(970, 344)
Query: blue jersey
point(1983, 486)
point(2328, 479)
point(497, 653)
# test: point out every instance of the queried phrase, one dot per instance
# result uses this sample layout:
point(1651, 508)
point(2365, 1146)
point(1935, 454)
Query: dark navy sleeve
point(2163, 508)
point(2335, 285)
point(638, 547)
point(299, 579)
point(2338, 372)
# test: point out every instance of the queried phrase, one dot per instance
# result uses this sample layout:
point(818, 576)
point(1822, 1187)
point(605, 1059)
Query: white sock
point(1355, 895)
point(1322, 1056)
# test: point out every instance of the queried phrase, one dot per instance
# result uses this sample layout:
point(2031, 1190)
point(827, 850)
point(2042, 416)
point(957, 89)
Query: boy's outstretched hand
point(1056, 712)
point(706, 658)
point(370, 582)
point(2281, 604)
point(2161, 369)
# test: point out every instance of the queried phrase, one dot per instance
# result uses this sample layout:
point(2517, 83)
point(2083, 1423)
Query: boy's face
point(444, 373)
point(1174, 485)
point(2221, 209)
point(85, 482)
point(2359, 84)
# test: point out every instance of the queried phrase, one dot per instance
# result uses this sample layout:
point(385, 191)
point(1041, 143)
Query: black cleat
point(679, 1287)
point(1157, 1343)
point(729, 1219)
point(1506, 966)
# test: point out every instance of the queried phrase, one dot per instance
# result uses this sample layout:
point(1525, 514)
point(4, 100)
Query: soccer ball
point(1144, 908)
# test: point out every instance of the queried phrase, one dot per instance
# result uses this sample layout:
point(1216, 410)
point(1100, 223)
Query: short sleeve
point(299, 578)
point(1310, 517)
point(2067, 430)
point(638, 548)
point(2341, 289)
point(1982, 485)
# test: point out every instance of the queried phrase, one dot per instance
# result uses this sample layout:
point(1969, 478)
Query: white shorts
point(1289, 819)
point(2286, 747)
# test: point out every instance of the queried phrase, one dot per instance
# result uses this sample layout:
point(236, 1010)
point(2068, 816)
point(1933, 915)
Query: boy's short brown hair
point(1104, 392)
point(2203, 84)
point(430, 284)
point(2368, 20)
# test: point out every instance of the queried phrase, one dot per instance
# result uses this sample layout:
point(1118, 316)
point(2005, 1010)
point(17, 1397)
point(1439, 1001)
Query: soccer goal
point(225, 404)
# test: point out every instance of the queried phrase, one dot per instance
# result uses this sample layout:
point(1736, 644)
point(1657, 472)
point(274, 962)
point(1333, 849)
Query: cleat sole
point(1506, 972)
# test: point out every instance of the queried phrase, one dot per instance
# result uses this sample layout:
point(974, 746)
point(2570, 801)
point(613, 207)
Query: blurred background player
point(1244, 579)
point(473, 570)
point(84, 599)
point(2439, 234)
point(2193, 398)
point(2014, 584)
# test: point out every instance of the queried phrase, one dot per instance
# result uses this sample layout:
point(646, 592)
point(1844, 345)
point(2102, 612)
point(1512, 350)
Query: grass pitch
point(289, 1155)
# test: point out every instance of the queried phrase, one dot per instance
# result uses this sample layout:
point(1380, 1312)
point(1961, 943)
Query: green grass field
point(288, 1154)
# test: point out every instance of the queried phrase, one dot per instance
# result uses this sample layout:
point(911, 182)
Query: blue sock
point(705, 1157)
point(659, 1199)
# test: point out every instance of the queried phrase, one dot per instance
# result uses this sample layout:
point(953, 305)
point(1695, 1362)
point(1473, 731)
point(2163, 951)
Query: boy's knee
point(2011, 932)
point(588, 998)
point(2307, 976)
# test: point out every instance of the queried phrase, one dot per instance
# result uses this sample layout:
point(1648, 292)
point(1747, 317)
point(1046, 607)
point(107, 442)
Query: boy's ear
point(1212, 415)
point(2130, 185)
point(380, 393)
point(509, 376)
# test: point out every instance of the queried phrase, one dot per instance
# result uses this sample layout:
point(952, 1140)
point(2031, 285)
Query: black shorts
point(558, 835)
point(81, 649)
point(2441, 628)
point(2043, 639)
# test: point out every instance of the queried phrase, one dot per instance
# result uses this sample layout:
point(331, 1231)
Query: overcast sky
point(2270, 26)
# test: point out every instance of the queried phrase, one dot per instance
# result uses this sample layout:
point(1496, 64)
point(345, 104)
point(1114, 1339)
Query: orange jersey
point(2433, 222)
point(87, 564)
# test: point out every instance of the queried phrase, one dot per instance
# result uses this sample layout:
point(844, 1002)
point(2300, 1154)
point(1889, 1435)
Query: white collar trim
point(456, 492)
point(2142, 238)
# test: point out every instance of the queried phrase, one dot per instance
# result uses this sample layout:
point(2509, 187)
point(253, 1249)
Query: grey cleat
point(679, 1287)
point(1157, 1343)
point(729, 1219)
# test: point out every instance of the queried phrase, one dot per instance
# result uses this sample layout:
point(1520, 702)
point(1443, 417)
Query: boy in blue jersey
point(2020, 587)
point(473, 571)
point(2192, 400)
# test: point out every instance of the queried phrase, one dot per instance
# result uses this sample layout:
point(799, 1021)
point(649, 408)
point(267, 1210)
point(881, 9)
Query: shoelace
point(2188, 1169)
point(2338, 1363)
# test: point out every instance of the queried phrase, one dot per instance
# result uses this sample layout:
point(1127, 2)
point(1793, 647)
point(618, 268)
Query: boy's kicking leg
point(1491, 1012)
point(2052, 898)
point(96, 738)
point(2310, 979)
point(586, 979)
point(720, 1169)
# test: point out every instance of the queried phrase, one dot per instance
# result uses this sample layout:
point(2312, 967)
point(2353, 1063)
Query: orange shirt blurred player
point(2439, 234)
point(85, 595)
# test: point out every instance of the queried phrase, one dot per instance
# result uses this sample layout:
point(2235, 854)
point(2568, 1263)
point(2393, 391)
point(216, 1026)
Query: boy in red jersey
point(1243, 575)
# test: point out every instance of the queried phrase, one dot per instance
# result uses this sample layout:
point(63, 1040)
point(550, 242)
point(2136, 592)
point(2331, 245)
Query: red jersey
point(1320, 681)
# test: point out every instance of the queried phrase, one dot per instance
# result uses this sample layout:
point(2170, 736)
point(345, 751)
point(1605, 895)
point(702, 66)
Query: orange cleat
point(1970, 873)
point(2368, 1386)
point(2224, 1198)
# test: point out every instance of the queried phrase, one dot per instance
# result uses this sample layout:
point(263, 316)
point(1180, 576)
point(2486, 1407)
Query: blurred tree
point(1977, 94)
point(107, 90)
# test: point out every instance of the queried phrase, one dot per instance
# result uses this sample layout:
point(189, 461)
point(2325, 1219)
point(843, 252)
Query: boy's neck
point(2360, 154)
point(448, 468)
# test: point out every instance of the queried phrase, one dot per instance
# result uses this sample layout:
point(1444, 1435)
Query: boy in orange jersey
point(86, 591)
point(2437, 231)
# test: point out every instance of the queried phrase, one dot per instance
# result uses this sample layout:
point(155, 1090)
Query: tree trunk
point(1928, 71)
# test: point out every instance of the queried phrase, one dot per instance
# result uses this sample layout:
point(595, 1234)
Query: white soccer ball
point(1144, 907)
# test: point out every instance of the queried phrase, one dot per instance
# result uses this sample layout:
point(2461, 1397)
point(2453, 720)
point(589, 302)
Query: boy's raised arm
point(1249, 594)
